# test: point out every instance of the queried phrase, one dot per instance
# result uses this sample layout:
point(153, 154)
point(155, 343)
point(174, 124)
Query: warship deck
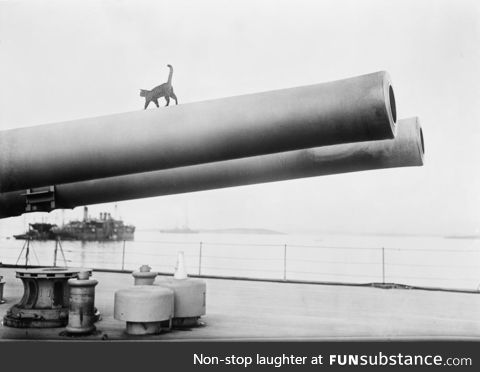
point(249, 310)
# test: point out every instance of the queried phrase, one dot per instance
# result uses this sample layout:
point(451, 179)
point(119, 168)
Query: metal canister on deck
point(81, 314)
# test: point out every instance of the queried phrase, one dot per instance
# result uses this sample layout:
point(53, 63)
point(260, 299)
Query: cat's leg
point(156, 102)
point(174, 97)
point(167, 98)
point(147, 102)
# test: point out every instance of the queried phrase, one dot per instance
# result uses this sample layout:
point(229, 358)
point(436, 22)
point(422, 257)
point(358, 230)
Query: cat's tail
point(143, 92)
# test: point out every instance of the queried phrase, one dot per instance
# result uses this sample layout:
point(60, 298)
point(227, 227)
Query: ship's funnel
point(344, 111)
point(406, 150)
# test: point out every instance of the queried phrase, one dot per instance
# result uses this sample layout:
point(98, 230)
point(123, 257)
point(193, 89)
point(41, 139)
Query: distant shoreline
point(262, 231)
point(472, 237)
point(240, 230)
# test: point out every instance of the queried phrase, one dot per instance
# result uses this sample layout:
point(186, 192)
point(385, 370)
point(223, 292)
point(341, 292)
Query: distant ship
point(104, 228)
point(179, 230)
point(38, 231)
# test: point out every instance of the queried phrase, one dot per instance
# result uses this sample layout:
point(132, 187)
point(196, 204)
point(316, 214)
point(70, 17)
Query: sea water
point(432, 261)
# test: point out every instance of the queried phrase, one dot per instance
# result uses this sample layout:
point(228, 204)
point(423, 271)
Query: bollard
point(144, 308)
point(144, 276)
point(81, 314)
point(189, 296)
point(45, 301)
point(2, 283)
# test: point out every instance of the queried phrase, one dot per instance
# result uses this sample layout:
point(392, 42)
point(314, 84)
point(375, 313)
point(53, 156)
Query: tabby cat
point(164, 90)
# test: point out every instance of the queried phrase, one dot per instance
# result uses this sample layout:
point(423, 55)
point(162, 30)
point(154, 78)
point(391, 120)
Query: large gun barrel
point(344, 111)
point(407, 149)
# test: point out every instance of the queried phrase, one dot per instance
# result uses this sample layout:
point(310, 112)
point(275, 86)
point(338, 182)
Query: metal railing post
point(285, 262)
point(383, 265)
point(27, 253)
point(123, 256)
point(55, 253)
point(200, 259)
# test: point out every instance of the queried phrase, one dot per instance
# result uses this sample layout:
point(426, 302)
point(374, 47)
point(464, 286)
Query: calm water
point(427, 261)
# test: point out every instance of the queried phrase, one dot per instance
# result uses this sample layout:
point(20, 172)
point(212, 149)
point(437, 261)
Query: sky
point(63, 60)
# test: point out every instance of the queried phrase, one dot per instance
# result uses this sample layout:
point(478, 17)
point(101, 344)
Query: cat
point(163, 90)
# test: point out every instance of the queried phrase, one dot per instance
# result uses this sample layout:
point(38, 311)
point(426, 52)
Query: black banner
point(239, 356)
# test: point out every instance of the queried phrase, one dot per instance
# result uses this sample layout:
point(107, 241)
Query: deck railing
point(440, 268)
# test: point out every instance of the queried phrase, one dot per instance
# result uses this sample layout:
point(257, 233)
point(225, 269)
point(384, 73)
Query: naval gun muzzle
point(344, 111)
point(406, 150)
